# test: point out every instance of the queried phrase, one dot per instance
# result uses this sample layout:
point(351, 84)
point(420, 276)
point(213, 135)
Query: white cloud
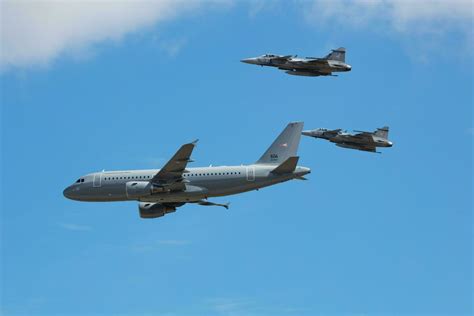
point(37, 32)
point(75, 227)
point(402, 15)
point(425, 27)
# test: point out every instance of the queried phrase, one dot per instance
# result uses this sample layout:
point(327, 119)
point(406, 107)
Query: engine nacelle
point(154, 210)
point(138, 189)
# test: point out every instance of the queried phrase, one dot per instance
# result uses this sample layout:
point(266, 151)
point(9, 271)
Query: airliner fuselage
point(201, 183)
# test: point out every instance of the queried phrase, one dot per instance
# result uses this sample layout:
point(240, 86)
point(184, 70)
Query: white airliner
point(161, 191)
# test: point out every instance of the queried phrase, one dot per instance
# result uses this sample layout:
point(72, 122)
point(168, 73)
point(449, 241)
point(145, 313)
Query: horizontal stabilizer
point(288, 166)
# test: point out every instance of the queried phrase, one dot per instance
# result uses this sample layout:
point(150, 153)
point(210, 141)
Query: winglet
point(288, 166)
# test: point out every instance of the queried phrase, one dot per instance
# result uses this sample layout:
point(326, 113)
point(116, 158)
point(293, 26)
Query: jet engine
point(154, 210)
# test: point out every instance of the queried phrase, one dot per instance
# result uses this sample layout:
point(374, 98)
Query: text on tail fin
point(284, 146)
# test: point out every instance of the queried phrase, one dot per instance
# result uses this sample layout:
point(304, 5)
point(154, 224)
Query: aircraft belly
point(221, 187)
point(245, 186)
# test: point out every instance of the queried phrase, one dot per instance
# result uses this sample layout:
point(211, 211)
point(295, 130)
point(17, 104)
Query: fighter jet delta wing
point(317, 61)
point(363, 135)
point(170, 176)
point(362, 147)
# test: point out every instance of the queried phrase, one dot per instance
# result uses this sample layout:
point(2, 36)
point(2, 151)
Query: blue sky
point(368, 234)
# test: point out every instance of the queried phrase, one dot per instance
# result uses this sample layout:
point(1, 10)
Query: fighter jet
point(365, 141)
point(335, 61)
point(162, 191)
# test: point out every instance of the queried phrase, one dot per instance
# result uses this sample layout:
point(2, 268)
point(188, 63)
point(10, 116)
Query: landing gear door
point(97, 182)
point(250, 173)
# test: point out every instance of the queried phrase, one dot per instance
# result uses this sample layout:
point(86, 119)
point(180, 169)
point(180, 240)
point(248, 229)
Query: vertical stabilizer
point(285, 146)
point(337, 54)
point(382, 132)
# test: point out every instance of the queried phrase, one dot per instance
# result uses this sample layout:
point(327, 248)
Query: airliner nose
point(68, 193)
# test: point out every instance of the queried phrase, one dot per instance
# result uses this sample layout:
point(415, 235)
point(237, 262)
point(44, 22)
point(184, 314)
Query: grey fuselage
point(201, 183)
point(348, 139)
point(302, 66)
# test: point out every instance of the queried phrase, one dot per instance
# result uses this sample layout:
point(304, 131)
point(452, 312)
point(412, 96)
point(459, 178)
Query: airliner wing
point(171, 174)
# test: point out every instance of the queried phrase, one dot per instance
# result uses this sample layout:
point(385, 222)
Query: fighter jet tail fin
point(382, 132)
point(285, 146)
point(337, 54)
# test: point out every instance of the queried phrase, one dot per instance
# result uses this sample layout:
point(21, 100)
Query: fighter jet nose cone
point(306, 133)
point(390, 144)
point(252, 61)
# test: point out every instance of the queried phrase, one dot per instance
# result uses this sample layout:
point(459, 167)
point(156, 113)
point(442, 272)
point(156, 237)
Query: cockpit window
point(78, 180)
